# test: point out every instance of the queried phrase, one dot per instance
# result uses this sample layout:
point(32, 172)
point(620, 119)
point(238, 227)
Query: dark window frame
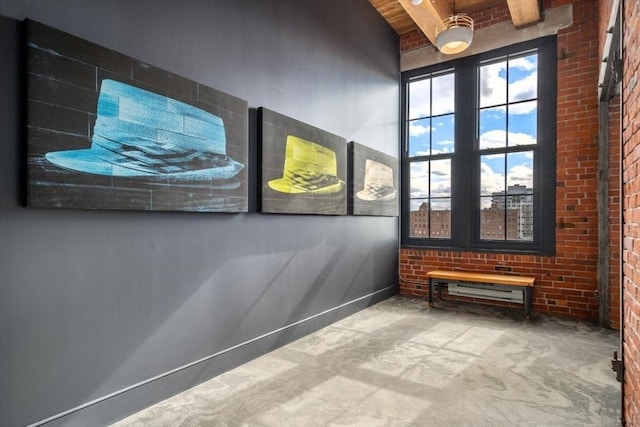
point(465, 169)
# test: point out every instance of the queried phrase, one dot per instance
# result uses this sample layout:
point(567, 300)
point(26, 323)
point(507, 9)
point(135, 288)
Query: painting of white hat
point(139, 133)
point(378, 182)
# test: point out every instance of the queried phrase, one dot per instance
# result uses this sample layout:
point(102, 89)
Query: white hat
point(378, 182)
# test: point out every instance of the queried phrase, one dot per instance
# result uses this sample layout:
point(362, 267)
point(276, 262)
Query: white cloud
point(419, 98)
point(490, 181)
point(443, 94)
point(419, 179)
point(422, 103)
point(444, 142)
point(493, 85)
point(525, 88)
point(419, 193)
point(523, 107)
point(525, 63)
point(444, 146)
point(521, 174)
point(521, 139)
point(497, 139)
point(493, 139)
point(440, 179)
point(493, 182)
point(417, 130)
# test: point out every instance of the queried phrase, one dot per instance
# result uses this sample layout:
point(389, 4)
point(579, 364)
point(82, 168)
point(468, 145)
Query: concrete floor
point(399, 363)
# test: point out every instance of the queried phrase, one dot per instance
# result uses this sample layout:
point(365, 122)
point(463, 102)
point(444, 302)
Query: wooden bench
point(492, 286)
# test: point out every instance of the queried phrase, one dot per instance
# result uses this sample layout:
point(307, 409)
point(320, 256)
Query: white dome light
point(454, 34)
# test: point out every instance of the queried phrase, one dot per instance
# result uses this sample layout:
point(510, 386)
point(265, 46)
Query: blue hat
point(142, 134)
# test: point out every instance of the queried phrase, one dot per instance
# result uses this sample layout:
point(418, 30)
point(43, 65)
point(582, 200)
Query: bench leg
point(430, 292)
point(527, 302)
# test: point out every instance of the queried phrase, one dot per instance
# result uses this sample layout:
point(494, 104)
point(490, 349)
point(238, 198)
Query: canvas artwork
point(304, 169)
point(106, 131)
point(375, 182)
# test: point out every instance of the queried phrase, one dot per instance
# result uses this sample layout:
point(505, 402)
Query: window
point(478, 159)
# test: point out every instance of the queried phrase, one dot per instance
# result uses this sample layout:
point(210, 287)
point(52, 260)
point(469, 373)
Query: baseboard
point(122, 403)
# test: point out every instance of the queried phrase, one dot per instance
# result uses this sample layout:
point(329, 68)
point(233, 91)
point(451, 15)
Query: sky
point(507, 117)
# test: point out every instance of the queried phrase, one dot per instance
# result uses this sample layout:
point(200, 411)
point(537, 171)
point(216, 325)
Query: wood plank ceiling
point(404, 17)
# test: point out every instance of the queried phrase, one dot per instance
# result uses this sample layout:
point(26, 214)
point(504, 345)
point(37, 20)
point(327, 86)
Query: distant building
point(419, 221)
point(519, 198)
point(515, 196)
point(440, 221)
point(510, 217)
point(493, 225)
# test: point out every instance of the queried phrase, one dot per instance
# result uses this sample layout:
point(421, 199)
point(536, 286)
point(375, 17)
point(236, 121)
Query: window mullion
point(463, 171)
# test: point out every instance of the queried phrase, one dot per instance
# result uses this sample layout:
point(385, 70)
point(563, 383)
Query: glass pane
point(417, 204)
point(520, 175)
point(420, 99)
point(419, 180)
point(492, 174)
point(430, 199)
point(443, 94)
point(419, 131)
point(523, 78)
point(492, 223)
point(485, 202)
point(513, 217)
point(441, 178)
point(440, 219)
point(442, 133)
point(524, 217)
point(493, 128)
point(419, 218)
point(493, 84)
point(523, 123)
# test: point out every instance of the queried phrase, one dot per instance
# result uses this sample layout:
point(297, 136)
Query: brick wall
point(567, 282)
point(631, 180)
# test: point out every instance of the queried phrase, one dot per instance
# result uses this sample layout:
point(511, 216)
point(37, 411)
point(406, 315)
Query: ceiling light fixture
point(454, 34)
point(416, 2)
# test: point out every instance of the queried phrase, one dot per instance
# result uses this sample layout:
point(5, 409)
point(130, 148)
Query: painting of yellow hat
point(308, 168)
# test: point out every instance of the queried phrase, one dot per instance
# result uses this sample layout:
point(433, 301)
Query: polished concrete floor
point(399, 363)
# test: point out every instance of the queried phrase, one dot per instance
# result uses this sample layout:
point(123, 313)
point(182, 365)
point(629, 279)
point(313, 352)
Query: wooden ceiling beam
point(427, 15)
point(524, 12)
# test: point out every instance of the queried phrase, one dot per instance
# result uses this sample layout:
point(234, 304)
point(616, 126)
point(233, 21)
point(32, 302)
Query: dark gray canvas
point(375, 186)
point(304, 168)
point(106, 131)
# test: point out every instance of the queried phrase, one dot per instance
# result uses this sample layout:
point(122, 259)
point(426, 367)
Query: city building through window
point(478, 158)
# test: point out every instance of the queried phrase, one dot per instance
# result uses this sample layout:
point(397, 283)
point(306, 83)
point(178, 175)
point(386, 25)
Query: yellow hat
point(308, 168)
point(378, 182)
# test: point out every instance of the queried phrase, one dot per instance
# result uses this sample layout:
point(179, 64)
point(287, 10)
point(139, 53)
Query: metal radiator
point(487, 291)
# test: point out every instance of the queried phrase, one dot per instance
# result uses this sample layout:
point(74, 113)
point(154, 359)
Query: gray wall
point(105, 312)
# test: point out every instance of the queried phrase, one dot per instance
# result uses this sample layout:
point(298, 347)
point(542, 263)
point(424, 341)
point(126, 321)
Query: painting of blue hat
point(139, 134)
point(108, 131)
